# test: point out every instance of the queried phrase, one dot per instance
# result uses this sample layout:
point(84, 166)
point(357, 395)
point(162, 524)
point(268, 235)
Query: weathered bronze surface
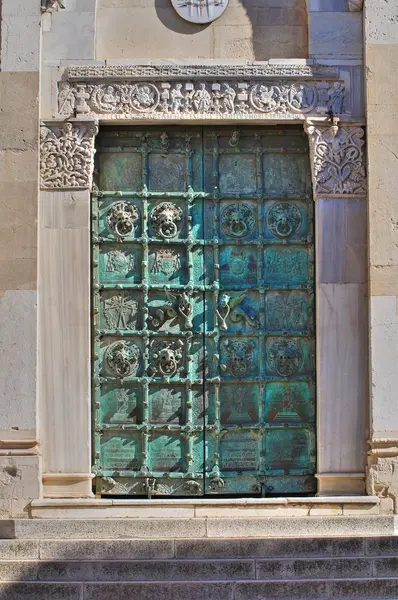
point(203, 279)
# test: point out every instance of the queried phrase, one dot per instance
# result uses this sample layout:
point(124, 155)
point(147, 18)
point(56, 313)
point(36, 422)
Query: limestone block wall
point(20, 475)
point(249, 30)
point(381, 56)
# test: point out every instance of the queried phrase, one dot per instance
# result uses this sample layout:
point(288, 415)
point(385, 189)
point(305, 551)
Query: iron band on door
point(203, 312)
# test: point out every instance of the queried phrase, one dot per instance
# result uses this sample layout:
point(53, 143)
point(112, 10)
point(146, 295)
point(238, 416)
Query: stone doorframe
point(317, 97)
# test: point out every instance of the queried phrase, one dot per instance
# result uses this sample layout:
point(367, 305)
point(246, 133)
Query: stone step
point(366, 589)
point(180, 528)
point(199, 570)
point(202, 548)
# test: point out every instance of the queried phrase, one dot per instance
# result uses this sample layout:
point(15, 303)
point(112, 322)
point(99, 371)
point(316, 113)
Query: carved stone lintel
point(51, 5)
point(382, 473)
point(337, 156)
point(67, 155)
point(355, 5)
point(157, 99)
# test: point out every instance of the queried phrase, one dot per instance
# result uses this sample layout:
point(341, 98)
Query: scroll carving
point(67, 155)
point(184, 99)
point(338, 159)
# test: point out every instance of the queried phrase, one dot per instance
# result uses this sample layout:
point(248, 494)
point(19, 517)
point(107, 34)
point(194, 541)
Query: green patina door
point(204, 355)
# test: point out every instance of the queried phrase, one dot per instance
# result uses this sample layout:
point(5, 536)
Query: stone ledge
point(199, 528)
point(191, 508)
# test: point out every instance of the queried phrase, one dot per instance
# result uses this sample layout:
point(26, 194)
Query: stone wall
point(248, 30)
point(381, 55)
point(19, 101)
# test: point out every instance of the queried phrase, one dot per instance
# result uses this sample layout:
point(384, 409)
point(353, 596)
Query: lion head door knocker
point(285, 357)
point(230, 308)
point(237, 220)
point(166, 220)
point(166, 357)
point(122, 218)
point(239, 357)
point(283, 219)
point(123, 359)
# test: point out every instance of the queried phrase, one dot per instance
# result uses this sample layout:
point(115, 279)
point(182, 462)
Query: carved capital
point(382, 471)
point(51, 5)
point(337, 156)
point(67, 155)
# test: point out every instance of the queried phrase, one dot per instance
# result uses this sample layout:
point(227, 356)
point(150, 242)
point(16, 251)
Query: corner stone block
point(19, 484)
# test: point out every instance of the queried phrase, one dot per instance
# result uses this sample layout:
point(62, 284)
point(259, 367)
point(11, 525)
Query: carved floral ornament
point(337, 156)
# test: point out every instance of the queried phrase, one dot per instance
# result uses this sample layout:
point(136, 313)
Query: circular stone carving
point(302, 97)
point(237, 220)
point(122, 218)
point(164, 218)
point(285, 357)
point(200, 11)
point(283, 219)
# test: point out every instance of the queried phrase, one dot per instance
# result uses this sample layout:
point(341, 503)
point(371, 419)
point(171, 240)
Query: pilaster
point(339, 184)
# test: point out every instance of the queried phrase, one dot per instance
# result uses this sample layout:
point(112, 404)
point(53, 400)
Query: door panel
point(203, 312)
point(259, 433)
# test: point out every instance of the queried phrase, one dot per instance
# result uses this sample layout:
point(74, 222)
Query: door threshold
point(196, 508)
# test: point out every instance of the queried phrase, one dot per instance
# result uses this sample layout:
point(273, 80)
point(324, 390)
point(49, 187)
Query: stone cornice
point(202, 71)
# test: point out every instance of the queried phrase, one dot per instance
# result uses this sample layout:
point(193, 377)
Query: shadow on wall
point(249, 29)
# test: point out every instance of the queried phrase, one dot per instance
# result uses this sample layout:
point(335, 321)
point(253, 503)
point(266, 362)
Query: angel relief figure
point(66, 99)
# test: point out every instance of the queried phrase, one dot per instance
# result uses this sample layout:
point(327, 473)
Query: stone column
point(67, 151)
point(337, 158)
point(381, 56)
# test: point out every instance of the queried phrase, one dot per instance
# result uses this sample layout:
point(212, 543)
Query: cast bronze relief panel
point(203, 277)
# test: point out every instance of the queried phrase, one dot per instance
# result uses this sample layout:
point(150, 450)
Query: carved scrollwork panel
point(67, 155)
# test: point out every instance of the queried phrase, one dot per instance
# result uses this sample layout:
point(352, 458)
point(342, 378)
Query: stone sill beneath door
point(192, 508)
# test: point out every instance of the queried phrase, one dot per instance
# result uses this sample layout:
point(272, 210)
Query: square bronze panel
point(120, 218)
point(121, 171)
point(168, 172)
point(121, 405)
point(290, 449)
point(286, 175)
point(288, 267)
point(239, 404)
point(175, 310)
point(239, 357)
point(121, 451)
point(237, 174)
point(286, 221)
point(120, 263)
point(121, 357)
point(288, 402)
point(168, 265)
point(238, 266)
point(239, 451)
point(238, 220)
point(289, 357)
point(167, 405)
point(121, 310)
point(170, 453)
point(289, 312)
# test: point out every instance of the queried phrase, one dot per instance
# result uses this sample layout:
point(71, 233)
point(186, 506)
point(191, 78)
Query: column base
point(341, 484)
point(68, 485)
